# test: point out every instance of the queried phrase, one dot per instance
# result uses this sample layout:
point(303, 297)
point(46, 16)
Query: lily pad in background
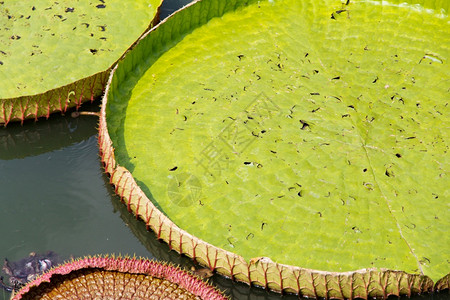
point(117, 278)
point(55, 55)
point(290, 143)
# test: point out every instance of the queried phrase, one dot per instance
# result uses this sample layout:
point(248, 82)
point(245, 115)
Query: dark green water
point(55, 196)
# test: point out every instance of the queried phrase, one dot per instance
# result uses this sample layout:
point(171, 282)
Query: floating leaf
point(55, 55)
point(290, 138)
point(117, 278)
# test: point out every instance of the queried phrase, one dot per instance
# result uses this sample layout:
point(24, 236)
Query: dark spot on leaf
point(410, 138)
point(425, 259)
point(412, 226)
point(336, 13)
point(304, 124)
point(319, 213)
point(101, 6)
point(375, 80)
point(314, 110)
point(240, 56)
point(85, 24)
point(93, 51)
point(59, 16)
point(1, 63)
point(315, 94)
point(247, 162)
point(389, 173)
point(274, 152)
point(365, 170)
point(368, 185)
point(173, 169)
point(102, 27)
point(15, 37)
point(300, 194)
point(250, 236)
point(69, 9)
point(370, 119)
point(263, 131)
point(345, 115)
point(315, 71)
point(336, 78)
point(33, 8)
point(356, 229)
point(262, 225)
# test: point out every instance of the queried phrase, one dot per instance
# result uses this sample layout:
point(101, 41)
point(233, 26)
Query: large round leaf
point(308, 133)
point(55, 54)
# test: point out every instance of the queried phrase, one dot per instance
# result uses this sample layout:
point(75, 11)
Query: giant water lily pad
point(117, 278)
point(274, 140)
point(55, 54)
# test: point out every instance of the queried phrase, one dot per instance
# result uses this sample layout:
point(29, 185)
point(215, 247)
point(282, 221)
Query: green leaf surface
point(311, 132)
point(48, 45)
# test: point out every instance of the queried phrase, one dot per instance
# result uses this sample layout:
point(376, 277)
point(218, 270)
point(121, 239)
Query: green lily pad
point(313, 133)
point(54, 55)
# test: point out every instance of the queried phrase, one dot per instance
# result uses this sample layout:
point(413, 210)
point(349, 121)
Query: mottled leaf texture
point(56, 54)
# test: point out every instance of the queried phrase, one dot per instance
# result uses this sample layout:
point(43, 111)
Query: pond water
point(55, 196)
